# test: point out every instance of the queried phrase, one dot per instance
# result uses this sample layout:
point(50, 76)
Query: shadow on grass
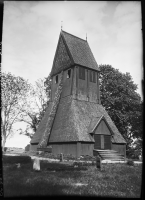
point(51, 180)
point(39, 188)
point(60, 167)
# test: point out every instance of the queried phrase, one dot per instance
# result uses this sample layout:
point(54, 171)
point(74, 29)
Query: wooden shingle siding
point(62, 59)
point(80, 51)
point(42, 126)
point(72, 122)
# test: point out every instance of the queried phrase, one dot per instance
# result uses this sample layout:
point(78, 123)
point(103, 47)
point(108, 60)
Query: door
point(102, 136)
point(107, 142)
point(102, 141)
point(99, 141)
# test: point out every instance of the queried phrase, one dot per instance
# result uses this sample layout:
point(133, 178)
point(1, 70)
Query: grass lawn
point(115, 180)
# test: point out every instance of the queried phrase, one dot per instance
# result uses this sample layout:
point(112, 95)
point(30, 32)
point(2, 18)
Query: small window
point(56, 79)
point(81, 73)
point(69, 73)
point(93, 76)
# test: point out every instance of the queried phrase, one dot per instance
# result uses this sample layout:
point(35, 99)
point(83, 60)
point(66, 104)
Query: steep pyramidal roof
point(76, 51)
point(72, 122)
point(74, 119)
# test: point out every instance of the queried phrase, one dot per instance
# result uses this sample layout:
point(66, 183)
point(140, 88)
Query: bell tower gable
point(62, 59)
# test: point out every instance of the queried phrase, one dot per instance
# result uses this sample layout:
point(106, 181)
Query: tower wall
point(67, 82)
point(85, 89)
point(82, 86)
point(54, 86)
point(93, 89)
point(79, 88)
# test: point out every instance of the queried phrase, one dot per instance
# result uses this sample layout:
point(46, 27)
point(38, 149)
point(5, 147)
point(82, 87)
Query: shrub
point(93, 163)
point(16, 159)
point(130, 162)
point(5, 149)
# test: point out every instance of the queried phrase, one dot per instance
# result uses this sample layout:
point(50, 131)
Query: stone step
point(114, 157)
point(106, 151)
point(109, 154)
point(111, 158)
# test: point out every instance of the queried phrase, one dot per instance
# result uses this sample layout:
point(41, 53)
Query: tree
point(36, 103)
point(13, 91)
point(119, 97)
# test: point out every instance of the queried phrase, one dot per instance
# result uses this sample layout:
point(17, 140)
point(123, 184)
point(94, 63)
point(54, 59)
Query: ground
point(63, 178)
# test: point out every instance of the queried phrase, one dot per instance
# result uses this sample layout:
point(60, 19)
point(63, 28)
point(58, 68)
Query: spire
point(86, 36)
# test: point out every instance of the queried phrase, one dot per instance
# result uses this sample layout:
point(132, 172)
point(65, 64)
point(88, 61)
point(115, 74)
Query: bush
point(27, 148)
point(16, 159)
point(5, 149)
point(130, 162)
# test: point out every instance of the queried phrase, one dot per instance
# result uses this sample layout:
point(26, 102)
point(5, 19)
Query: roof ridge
point(74, 36)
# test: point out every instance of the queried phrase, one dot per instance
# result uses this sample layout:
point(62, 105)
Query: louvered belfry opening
point(82, 73)
point(92, 76)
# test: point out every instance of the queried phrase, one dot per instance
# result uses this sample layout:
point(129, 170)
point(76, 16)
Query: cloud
point(128, 8)
point(31, 32)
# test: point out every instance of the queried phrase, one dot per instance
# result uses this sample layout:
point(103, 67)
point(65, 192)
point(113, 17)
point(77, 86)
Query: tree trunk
point(3, 141)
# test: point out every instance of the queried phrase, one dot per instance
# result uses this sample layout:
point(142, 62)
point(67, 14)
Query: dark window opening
point(69, 73)
point(56, 79)
point(93, 76)
point(81, 73)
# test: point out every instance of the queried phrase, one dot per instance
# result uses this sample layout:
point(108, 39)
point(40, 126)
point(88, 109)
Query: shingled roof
point(72, 122)
point(42, 126)
point(93, 124)
point(77, 117)
point(78, 51)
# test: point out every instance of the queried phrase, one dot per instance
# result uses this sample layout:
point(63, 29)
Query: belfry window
point(69, 73)
point(81, 73)
point(56, 79)
point(93, 76)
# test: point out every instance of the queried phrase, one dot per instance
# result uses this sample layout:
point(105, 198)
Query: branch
point(23, 120)
point(12, 123)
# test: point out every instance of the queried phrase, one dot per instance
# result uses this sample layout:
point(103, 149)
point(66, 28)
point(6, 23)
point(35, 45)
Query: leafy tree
point(13, 91)
point(119, 97)
point(36, 104)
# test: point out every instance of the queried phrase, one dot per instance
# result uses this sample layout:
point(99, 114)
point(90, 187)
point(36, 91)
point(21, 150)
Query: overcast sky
point(31, 31)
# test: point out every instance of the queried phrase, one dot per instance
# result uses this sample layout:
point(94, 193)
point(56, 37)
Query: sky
point(31, 30)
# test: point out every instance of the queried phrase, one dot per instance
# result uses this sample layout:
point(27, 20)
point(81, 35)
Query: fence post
point(61, 157)
point(98, 162)
point(36, 164)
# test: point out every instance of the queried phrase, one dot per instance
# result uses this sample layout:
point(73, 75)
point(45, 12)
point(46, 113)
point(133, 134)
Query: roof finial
point(86, 36)
point(61, 25)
